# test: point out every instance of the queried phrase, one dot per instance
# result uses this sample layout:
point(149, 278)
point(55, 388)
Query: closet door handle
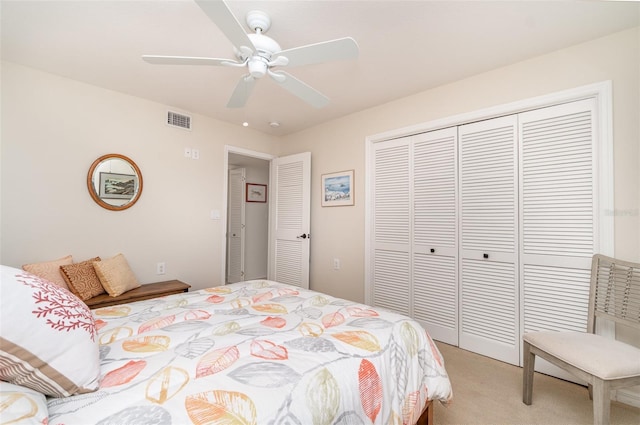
point(485, 255)
point(432, 250)
point(303, 236)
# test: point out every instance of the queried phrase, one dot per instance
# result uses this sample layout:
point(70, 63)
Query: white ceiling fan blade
point(219, 13)
point(340, 49)
point(302, 90)
point(242, 92)
point(186, 60)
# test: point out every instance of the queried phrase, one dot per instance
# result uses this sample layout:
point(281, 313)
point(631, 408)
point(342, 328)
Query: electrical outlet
point(336, 264)
point(160, 268)
point(195, 154)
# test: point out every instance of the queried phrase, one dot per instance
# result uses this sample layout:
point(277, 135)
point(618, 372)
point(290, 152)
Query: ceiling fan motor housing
point(265, 48)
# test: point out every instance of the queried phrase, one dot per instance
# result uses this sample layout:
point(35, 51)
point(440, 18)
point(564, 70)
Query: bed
point(257, 352)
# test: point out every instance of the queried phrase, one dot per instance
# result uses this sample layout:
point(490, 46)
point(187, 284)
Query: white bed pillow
point(48, 338)
point(21, 405)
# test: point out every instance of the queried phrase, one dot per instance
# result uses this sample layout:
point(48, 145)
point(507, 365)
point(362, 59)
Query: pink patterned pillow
point(47, 336)
point(50, 270)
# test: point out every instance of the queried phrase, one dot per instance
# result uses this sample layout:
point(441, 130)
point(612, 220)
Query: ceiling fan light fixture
point(258, 67)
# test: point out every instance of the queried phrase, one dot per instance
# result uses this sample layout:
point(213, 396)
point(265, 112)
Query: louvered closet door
point(489, 303)
point(435, 249)
point(391, 261)
point(557, 208)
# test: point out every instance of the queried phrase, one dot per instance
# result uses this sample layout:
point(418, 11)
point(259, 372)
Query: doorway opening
point(246, 220)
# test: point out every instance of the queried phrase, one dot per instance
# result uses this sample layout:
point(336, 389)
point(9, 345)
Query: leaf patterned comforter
point(257, 352)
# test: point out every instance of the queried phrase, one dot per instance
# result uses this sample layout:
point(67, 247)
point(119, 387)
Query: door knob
point(303, 236)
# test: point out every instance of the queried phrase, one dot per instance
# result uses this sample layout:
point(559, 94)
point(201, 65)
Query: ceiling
point(405, 47)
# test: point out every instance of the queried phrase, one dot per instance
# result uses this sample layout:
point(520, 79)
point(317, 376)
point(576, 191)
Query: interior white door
point(236, 226)
point(290, 219)
point(489, 302)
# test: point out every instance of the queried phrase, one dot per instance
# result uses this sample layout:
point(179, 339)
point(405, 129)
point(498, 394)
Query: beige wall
point(340, 144)
point(54, 128)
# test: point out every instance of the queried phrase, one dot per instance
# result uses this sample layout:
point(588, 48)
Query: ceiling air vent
point(179, 120)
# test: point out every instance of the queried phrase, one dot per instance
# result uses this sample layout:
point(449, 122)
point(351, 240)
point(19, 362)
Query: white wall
point(257, 227)
point(340, 144)
point(54, 128)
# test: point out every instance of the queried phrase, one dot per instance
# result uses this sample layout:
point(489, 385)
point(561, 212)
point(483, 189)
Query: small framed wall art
point(256, 192)
point(338, 189)
point(117, 186)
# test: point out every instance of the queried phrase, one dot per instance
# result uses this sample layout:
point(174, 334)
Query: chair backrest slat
point(615, 291)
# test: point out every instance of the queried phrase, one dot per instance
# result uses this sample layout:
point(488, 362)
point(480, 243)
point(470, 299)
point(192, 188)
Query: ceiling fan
point(260, 54)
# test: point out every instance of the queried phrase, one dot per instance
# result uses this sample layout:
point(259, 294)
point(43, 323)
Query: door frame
point(225, 193)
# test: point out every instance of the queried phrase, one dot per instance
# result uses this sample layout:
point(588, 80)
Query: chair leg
point(527, 373)
point(601, 402)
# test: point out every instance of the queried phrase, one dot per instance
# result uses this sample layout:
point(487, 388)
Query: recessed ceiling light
point(274, 124)
point(245, 124)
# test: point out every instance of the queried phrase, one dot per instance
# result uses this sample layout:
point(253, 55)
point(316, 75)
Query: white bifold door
point(414, 233)
point(484, 231)
point(435, 233)
point(489, 302)
point(558, 212)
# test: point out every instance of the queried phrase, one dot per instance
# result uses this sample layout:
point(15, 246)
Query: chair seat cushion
point(599, 356)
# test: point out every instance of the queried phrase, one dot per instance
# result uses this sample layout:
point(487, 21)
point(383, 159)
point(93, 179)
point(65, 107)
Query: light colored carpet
point(487, 391)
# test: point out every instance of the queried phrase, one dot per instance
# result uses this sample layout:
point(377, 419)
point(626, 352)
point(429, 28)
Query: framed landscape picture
point(256, 192)
point(117, 186)
point(337, 189)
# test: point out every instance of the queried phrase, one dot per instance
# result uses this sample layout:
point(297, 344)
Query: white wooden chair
point(605, 364)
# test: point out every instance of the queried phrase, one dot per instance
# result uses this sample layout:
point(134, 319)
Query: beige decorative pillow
point(116, 275)
point(50, 270)
point(82, 279)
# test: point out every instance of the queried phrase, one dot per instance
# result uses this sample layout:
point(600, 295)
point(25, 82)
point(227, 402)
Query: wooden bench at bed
point(144, 292)
point(427, 416)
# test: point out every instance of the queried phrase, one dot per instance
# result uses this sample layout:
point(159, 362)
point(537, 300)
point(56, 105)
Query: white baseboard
point(630, 396)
